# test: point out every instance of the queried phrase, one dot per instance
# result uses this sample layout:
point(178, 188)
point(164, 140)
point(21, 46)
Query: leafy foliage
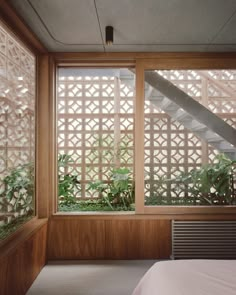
point(116, 194)
point(68, 184)
point(97, 204)
point(119, 191)
point(212, 184)
point(19, 188)
point(12, 226)
point(213, 181)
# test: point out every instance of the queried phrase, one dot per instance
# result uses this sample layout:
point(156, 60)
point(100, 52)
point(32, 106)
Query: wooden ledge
point(94, 215)
point(224, 215)
point(8, 245)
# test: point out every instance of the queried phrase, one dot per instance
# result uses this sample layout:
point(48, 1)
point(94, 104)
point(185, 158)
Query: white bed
point(189, 277)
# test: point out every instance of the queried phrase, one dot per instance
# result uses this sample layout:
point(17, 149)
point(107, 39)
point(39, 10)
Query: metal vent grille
point(203, 239)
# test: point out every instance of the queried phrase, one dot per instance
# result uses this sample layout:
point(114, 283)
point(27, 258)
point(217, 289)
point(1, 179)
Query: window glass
point(95, 127)
point(189, 150)
point(17, 132)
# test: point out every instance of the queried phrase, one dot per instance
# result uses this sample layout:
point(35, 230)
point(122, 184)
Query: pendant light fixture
point(109, 35)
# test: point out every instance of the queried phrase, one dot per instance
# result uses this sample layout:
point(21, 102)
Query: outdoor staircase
point(191, 114)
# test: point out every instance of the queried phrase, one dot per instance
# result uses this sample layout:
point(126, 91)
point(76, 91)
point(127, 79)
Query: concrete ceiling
point(139, 25)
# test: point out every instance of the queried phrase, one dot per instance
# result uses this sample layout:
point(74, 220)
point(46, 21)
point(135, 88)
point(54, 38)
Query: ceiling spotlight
point(109, 35)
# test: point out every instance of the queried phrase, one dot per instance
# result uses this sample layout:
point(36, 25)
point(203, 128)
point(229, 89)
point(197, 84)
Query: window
point(189, 150)
point(95, 138)
point(17, 132)
point(183, 121)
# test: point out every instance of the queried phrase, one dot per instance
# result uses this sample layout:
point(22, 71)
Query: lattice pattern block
point(127, 94)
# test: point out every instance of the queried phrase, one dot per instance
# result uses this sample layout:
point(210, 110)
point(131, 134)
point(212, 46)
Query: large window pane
point(95, 139)
point(189, 153)
point(17, 132)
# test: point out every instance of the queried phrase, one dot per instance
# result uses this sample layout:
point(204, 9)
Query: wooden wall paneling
point(53, 137)
point(165, 240)
point(20, 267)
point(76, 239)
point(43, 184)
point(139, 140)
point(189, 61)
point(122, 239)
point(165, 59)
point(115, 237)
point(3, 272)
point(155, 239)
point(108, 238)
point(138, 239)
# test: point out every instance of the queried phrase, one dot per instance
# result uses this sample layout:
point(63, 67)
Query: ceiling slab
point(69, 22)
point(61, 28)
point(139, 26)
point(228, 33)
point(165, 22)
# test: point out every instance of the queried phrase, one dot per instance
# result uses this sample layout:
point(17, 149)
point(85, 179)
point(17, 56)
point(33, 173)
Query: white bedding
point(189, 277)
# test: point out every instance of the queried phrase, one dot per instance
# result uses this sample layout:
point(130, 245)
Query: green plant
point(68, 184)
point(97, 204)
point(210, 184)
point(116, 194)
point(19, 188)
point(8, 228)
point(119, 191)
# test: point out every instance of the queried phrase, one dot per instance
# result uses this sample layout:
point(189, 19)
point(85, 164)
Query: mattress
point(189, 277)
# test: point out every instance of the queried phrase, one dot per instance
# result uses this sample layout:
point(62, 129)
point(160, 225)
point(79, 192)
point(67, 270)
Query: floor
point(112, 277)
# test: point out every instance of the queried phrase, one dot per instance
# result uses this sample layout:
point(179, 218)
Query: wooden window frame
point(141, 62)
point(18, 28)
point(59, 60)
point(178, 61)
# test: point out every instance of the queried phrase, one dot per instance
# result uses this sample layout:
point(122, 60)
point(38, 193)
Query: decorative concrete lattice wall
point(95, 127)
point(17, 126)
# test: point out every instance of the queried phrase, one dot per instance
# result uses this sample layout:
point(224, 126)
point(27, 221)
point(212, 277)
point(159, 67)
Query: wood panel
point(137, 239)
point(43, 184)
point(20, 266)
point(108, 238)
point(115, 236)
point(76, 239)
point(188, 61)
point(132, 56)
point(139, 142)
